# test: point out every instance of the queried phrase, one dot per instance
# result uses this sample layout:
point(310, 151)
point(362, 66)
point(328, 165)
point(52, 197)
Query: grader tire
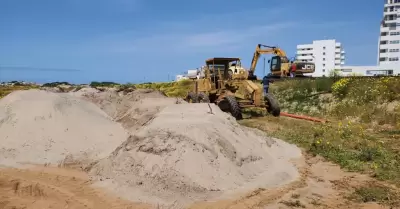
point(192, 98)
point(273, 106)
point(203, 98)
point(234, 107)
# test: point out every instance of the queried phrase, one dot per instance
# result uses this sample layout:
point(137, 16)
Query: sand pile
point(43, 127)
point(186, 154)
point(178, 153)
point(134, 109)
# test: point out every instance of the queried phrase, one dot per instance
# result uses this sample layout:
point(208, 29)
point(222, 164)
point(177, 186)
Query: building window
point(393, 59)
point(323, 59)
point(394, 42)
point(323, 70)
point(323, 65)
point(324, 48)
point(395, 33)
point(323, 53)
point(394, 50)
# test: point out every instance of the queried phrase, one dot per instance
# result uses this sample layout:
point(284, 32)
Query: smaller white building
point(181, 77)
point(190, 74)
point(327, 55)
point(369, 71)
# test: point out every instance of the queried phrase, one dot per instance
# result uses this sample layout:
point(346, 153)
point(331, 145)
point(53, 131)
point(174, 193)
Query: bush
point(94, 84)
point(55, 84)
point(171, 89)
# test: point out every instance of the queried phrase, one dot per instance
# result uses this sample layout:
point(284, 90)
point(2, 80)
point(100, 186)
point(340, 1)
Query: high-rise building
point(327, 55)
point(389, 40)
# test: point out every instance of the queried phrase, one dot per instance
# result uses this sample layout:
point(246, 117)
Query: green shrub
point(55, 84)
point(94, 84)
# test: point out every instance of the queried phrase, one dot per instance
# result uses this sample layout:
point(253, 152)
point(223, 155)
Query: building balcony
point(394, 4)
point(309, 57)
point(386, 38)
point(308, 52)
point(304, 46)
point(391, 21)
point(384, 29)
point(389, 38)
point(390, 12)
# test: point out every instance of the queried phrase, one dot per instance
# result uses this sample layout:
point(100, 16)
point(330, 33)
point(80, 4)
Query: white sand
point(42, 127)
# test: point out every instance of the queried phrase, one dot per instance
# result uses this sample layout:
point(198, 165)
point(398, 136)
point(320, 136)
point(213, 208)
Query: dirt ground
point(171, 148)
point(322, 185)
point(45, 188)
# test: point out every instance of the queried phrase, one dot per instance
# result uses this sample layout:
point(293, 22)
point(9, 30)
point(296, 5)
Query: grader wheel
point(192, 98)
point(272, 105)
point(229, 104)
point(203, 98)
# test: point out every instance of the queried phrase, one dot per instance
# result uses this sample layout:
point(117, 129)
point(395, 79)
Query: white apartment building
point(327, 55)
point(389, 40)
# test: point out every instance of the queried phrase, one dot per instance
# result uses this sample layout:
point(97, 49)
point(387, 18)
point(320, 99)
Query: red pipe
point(303, 117)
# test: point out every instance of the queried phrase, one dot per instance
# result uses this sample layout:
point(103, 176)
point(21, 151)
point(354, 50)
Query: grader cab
point(227, 84)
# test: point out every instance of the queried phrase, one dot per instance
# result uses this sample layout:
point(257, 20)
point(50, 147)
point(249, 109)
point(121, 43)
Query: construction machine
point(280, 65)
point(226, 83)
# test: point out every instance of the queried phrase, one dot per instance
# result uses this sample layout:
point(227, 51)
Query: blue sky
point(147, 40)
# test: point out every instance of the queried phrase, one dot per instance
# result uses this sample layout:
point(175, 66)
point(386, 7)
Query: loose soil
point(153, 152)
point(45, 188)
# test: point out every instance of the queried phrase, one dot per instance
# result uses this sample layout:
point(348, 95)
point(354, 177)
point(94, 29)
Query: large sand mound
point(186, 154)
point(43, 127)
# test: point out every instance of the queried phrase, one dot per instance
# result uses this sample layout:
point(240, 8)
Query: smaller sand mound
point(43, 127)
point(134, 109)
point(188, 154)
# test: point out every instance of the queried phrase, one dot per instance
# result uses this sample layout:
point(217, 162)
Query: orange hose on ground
point(303, 117)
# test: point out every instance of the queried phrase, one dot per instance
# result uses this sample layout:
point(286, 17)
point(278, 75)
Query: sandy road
point(45, 188)
point(321, 185)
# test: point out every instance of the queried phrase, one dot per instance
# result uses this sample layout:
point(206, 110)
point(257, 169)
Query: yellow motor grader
point(225, 82)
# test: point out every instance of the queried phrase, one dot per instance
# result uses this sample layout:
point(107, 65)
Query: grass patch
point(370, 100)
point(171, 89)
point(5, 90)
point(350, 145)
point(375, 193)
